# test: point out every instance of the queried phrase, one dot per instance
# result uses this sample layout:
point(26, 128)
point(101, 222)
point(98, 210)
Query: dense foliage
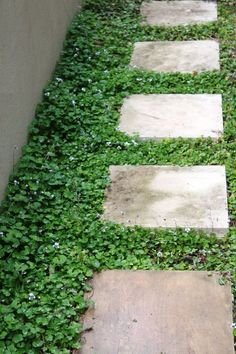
point(52, 239)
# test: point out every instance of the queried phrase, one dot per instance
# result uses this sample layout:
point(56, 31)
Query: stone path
point(172, 116)
point(154, 312)
point(166, 312)
point(185, 57)
point(173, 13)
point(168, 197)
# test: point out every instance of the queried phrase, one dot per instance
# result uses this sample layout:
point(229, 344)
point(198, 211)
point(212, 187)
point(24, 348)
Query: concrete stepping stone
point(181, 12)
point(172, 116)
point(154, 312)
point(174, 56)
point(168, 197)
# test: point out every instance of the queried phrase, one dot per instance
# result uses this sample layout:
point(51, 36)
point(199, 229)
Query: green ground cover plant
point(52, 238)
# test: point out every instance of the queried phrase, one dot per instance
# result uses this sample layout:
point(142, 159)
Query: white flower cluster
point(187, 229)
point(56, 245)
point(32, 296)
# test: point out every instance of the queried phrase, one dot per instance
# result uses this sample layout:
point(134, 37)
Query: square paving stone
point(185, 56)
point(154, 312)
point(172, 116)
point(174, 13)
point(168, 197)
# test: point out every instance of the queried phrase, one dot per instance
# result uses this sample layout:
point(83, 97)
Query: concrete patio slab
point(172, 116)
point(168, 197)
point(185, 56)
point(153, 312)
point(182, 12)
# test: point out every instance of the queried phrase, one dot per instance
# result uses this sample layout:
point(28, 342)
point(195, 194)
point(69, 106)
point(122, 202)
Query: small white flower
point(47, 94)
point(126, 143)
point(187, 229)
point(159, 254)
point(233, 325)
point(71, 158)
point(108, 143)
point(134, 142)
point(16, 182)
point(73, 103)
point(31, 296)
point(56, 245)
point(83, 89)
point(58, 79)
point(1, 234)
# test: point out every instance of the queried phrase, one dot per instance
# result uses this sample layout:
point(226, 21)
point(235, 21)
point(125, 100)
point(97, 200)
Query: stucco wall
point(31, 38)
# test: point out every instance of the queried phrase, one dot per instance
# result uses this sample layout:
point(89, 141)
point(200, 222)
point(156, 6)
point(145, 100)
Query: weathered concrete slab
point(168, 197)
point(172, 116)
point(153, 312)
point(185, 56)
point(174, 13)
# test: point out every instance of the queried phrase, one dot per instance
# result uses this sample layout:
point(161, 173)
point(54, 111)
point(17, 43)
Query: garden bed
point(52, 238)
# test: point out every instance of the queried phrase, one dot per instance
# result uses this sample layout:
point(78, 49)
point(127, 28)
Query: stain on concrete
point(174, 13)
point(185, 56)
point(172, 115)
point(169, 197)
